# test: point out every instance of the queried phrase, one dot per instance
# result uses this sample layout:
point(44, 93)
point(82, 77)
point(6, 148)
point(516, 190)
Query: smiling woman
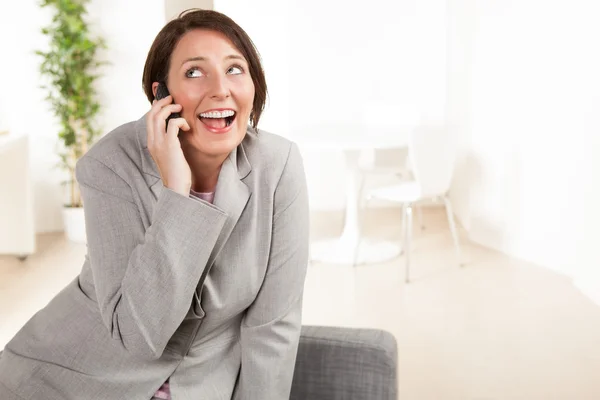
point(158, 64)
point(197, 233)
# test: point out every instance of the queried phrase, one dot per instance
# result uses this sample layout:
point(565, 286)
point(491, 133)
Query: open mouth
point(218, 119)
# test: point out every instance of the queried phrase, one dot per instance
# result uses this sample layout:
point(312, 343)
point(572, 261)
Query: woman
point(197, 243)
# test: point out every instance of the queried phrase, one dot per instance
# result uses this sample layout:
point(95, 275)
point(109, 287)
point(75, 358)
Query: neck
point(205, 171)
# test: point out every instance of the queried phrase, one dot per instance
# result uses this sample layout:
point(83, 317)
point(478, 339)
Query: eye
point(193, 72)
point(235, 70)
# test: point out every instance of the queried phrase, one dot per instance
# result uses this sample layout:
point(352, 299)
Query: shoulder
point(121, 142)
point(116, 153)
point(277, 165)
point(272, 154)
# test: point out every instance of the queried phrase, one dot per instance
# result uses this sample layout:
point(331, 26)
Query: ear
point(154, 88)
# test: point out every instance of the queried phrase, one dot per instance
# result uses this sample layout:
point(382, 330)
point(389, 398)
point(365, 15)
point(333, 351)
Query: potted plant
point(70, 67)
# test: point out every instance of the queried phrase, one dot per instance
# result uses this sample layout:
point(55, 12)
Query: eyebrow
point(200, 58)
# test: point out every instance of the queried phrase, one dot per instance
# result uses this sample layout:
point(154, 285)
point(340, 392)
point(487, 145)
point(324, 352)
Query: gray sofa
point(345, 364)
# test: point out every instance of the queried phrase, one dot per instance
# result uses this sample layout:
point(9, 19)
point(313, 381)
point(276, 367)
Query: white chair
point(399, 168)
point(386, 162)
point(431, 155)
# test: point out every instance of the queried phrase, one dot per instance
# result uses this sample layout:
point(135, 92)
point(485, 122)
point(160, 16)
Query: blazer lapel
point(231, 195)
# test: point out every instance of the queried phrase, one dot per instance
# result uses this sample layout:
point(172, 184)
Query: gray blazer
point(207, 295)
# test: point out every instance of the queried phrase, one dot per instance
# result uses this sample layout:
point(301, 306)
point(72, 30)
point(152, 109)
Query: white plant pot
point(74, 223)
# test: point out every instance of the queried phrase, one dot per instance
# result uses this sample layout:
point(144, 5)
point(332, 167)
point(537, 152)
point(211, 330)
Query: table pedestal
point(349, 249)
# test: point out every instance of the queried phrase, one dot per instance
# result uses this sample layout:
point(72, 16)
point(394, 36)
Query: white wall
point(460, 31)
point(22, 103)
point(527, 182)
point(586, 271)
point(328, 61)
point(267, 24)
point(174, 7)
point(129, 38)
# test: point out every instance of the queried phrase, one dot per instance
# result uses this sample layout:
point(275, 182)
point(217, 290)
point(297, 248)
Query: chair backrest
point(405, 119)
point(432, 152)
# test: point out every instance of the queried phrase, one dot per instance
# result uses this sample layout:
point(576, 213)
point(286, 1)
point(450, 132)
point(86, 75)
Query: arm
point(271, 328)
point(144, 279)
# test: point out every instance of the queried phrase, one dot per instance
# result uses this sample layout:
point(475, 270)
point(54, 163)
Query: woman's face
point(210, 78)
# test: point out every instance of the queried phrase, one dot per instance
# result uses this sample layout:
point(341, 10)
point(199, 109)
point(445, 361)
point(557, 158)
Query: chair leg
point(403, 228)
point(420, 216)
point(407, 238)
point(453, 230)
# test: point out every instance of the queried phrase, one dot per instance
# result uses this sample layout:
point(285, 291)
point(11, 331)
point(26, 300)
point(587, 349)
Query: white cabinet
point(17, 232)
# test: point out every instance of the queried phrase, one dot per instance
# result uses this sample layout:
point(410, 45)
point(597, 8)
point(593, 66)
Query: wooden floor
point(497, 328)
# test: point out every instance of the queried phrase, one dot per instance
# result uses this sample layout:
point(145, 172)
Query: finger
point(160, 123)
point(151, 126)
point(164, 101)
point(174, 126)
point(168, 110)
point(157, 105)
point(160, 131)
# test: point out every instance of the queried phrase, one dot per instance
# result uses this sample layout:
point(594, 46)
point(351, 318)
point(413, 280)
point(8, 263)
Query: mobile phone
point(161, 93)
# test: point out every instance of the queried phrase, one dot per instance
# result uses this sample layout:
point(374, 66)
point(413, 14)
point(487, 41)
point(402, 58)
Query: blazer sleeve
point(144, 279)
point(270, 331)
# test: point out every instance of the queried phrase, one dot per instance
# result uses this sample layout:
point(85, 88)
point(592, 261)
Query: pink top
point(164, 392)
point(204, 196)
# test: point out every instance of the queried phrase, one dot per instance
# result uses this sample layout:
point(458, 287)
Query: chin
point(215, 147)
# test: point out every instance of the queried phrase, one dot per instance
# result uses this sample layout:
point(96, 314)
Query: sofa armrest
point(345, 363)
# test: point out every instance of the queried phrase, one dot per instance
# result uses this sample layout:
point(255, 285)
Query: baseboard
point(378, 204)
point(590, 288)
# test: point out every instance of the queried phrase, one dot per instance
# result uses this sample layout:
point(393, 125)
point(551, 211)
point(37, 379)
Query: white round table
point(350, 248)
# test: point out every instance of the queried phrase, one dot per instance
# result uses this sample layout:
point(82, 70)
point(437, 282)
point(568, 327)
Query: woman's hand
point(165, 147)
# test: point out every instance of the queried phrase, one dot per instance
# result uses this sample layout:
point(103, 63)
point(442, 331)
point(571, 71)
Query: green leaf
point(69, 68)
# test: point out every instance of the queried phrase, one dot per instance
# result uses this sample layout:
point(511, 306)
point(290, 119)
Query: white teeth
point(218, 114)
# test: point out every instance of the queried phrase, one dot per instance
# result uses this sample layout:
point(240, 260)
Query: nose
point(219, 87)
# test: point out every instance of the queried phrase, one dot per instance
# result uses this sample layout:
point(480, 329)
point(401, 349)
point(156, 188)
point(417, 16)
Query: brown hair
point(158, 61)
